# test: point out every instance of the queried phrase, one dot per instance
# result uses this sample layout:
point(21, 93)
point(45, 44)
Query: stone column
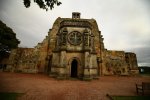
point(63, 64)
point(86, 40)
point(55, 64)
point(86, 66)
point(92, 43)
point(57, 42)
point(63, 59)
point(94, 66)
point(64, 39)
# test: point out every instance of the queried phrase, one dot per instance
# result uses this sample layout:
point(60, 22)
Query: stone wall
point(23, 60)
point(29, 60)
point(114, 63)
point(131, 61)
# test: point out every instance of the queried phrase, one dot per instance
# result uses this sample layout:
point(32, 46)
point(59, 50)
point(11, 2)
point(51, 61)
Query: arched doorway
point(74, 68)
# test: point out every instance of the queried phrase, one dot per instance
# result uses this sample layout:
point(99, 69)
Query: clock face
point(75, 38)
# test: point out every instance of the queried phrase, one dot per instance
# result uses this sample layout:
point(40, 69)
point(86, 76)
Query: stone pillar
point(92, 43)
point(94, 66)
point(63, 64)
point(63, 59)
point(55, 64)
point(86, 40)
point(86, 66)
point(57, 42)
point(64, 39)
point(99, 66)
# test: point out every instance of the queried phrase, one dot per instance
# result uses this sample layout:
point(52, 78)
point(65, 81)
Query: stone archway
point(74, 68)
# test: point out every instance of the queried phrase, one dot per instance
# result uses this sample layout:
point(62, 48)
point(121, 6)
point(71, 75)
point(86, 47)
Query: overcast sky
point(124, 24)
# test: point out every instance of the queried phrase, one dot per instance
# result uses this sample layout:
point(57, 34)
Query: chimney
point(75, 15)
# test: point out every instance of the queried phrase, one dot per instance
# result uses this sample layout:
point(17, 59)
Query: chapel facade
point(73, 48)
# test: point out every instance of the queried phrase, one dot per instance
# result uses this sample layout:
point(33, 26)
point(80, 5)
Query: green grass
point(130, 97)
point(145, 74)
point(9, 96)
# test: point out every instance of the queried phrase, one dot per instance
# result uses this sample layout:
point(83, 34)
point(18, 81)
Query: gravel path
point(42, 87)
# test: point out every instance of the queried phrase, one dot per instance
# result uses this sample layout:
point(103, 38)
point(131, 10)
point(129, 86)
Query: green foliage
point(130, 97)
point(44, 4)
point(144, 70)
point(8, 40)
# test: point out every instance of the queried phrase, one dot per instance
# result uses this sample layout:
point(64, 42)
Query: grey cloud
point(143, 55)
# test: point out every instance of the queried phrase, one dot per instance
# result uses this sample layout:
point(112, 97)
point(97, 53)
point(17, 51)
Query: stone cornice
point(75, 23)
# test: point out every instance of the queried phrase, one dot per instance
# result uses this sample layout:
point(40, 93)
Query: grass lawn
point(9, 96)
point(145, 74)
point(130, 97)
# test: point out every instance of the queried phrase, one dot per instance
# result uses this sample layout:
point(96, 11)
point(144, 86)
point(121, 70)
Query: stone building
point(73, 48)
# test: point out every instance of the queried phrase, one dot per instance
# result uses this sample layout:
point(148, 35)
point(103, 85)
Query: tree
point(44, 4)
point(8, 40)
